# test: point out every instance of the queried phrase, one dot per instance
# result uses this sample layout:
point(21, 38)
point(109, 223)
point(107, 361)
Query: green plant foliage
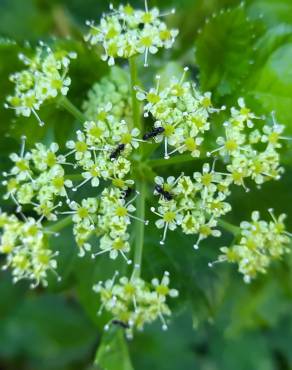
point(113, 352)
point(218, 322)
point(223, 65)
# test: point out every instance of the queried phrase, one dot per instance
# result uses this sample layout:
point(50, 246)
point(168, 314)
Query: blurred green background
point(219, 323)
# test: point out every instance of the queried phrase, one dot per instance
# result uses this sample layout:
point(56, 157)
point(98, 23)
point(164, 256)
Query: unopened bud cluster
point(114, 89)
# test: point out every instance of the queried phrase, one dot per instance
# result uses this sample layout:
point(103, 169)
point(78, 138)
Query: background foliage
point(219, 322)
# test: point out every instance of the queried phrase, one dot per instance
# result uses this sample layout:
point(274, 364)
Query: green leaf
point(113, 351)
point(46, 330)
point(273, 84)
point(224, 50)
point(272, 12)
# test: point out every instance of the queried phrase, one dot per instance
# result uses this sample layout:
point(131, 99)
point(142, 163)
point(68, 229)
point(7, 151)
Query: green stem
point(60, 224)
point(71, 108)
point(140, 184)
point(135, 103)
point(139, 229)
point(235, 230)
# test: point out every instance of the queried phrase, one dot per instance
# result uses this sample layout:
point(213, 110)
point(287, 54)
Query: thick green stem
point(139, 229)
point(140, 184)
point(235, 230)
point(135, 103)
point(71, 108)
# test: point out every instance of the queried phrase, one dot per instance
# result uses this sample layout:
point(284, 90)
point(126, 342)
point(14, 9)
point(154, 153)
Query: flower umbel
point(126, 32)
point(259, 243)
point(134, 302)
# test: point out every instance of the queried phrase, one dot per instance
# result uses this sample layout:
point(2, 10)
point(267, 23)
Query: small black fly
point(115, 153)
point(155, 132)
point(166, 195)
point(127, 192)
point(120, 323)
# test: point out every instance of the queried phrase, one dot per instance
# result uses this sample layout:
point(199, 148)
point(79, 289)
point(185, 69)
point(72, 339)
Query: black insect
point(166, 195)
point(155, 132)
point(115, 153)
point(127, 192)
point(122, 324)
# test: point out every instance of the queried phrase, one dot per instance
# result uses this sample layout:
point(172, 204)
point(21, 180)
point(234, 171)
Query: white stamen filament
point(164, 233)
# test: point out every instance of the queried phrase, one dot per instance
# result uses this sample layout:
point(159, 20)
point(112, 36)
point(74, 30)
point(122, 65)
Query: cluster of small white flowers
point(84, 220)
point(250, 150)
point(44, 78)
point(24, 243)
point(101, 156)
point(180, 113)
point(101, 148)
point(113, 89)
point(259, 243)
point(134, 303)
point(195, 205)
point(38, 179)
point(115, 215)
point(126, 32)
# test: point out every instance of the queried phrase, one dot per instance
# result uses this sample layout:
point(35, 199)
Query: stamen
point(213, 165)
point(146, 57)
point(114, 277)
point(183, 75)
point(6, 174)
point(133, 199)
point(152, 209)
point(273, 114)
point(244, 186)
point(171, 12)
point(177, 180)
point(164, 234)
point(177, 149)
point(71, 152)
point(134, 303)
point(141, 141)
point(158, 83)
point(138, 88)
point(93, 255)
point(166, 156)
point(271, 212)
point(81, 184)
point(41, 123)
point(129, 262)
point(211, 264)
point(214, 151)
point(19, 207)
point(22, 149)
point(196, 245)
point(285, 138)
point(146, 222)
point(164, 326)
